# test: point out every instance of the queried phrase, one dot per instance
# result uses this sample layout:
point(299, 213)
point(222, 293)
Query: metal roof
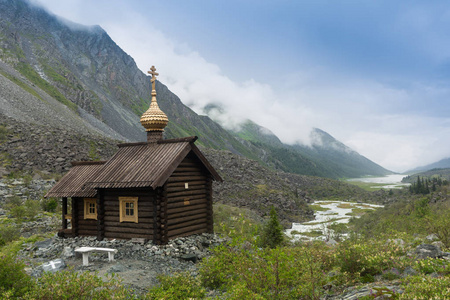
point(73, 183)
point(147, 164)
point(134, 165)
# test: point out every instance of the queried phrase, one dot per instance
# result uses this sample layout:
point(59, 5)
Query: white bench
point(85, 251)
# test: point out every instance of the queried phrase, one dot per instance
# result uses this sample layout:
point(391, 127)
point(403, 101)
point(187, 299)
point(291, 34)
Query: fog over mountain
point(98, 86)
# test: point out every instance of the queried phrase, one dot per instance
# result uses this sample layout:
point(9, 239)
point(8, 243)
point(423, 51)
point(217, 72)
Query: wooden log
point(186, 219)
point(186, 178)
point(180, 174)
point(189, 229)
point(129, 230)
point(74, 217)
point(182, 204)
point(188, 223)
point(163, 214)
point(87, 222)
point(117, 219)
point(144, 223)
point(187, 192)
point(190, 233)
point(118, 235)
point(187, 169)
point(64, 213)
point(101, 215)
point(181, 184)
point(182, 198)
point(185, 209)
point(87, 232)
point(187, 213)
point(209, 200)
point(185, 198)
point(183, 188)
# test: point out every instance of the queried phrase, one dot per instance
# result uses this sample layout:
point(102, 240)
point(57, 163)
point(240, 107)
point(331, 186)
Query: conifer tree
point(272, 233)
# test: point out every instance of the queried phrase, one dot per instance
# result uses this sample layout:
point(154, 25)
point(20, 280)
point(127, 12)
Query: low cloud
point(384, 121)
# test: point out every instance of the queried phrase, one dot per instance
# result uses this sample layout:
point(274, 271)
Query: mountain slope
point(442, 164)
point(67, 75)
point(326, 157)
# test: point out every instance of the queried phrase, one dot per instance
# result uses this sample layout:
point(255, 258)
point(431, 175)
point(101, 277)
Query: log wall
point(113, 228)
point(188, 211)
point(83, 226)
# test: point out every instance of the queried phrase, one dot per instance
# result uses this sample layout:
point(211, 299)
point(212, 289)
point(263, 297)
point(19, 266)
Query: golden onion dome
point(154, 119)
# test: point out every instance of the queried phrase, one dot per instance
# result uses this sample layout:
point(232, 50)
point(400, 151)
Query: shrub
point(49, 204)
point(178, 286)
point(439, 224)
point(432, 265)
point(237, 223)
point(418, 287)
point(71, 285)
point(366, 258)
point(32, 208)
point(13, 279)
point(272, 232)
point(8, 234)
point(280, 273)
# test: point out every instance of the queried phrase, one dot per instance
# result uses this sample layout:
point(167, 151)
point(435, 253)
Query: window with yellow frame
point(128, 209)
point(90, 208)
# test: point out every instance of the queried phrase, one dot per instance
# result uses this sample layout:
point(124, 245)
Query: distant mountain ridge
point(326, 157)
point(73, 76)
point(442, 164)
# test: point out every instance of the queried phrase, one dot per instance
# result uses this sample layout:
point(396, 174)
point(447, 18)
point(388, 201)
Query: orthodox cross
point(154, 74)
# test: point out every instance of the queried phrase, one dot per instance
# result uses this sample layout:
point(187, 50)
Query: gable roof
point(73, 183)
point(134, 165)
point(147, 164)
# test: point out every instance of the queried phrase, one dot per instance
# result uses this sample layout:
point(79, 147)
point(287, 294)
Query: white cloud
point(376, 119)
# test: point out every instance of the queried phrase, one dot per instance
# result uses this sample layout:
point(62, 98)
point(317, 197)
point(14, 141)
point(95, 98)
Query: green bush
point(439, 223)
point(366, 258)
point(14, 282)
point(32, 208)
point(178, 286)
point(280, 273)
point(425, 287)
point(432, 265)
point(72, 285)
point(49, 204)
point(8, 233)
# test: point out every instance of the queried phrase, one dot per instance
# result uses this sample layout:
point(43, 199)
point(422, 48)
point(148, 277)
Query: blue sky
point(374, 74)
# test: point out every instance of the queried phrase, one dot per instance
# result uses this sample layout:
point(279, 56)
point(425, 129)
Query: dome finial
point(154, 119)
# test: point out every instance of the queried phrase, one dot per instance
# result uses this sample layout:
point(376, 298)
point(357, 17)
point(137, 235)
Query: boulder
point(54, 265)
point(426, 250)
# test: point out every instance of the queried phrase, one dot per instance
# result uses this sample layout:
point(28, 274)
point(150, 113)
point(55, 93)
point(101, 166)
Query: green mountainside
point(442, 164)
point(66, 75)
point(326, 157)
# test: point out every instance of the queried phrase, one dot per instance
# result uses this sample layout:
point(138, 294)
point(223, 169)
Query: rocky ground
point(46, 149)
point(137, 262)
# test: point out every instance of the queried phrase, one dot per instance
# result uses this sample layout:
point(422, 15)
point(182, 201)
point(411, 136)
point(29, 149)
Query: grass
point(23, 85)
point(358, 211)
point(327, 221)
point(369, 186)
point(318, 207)
point(27, 71)
point(346, 205)
point(313, 233)
point(230, 220)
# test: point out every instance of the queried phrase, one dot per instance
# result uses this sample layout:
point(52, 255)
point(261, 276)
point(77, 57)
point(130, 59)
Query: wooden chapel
point(155, 190)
